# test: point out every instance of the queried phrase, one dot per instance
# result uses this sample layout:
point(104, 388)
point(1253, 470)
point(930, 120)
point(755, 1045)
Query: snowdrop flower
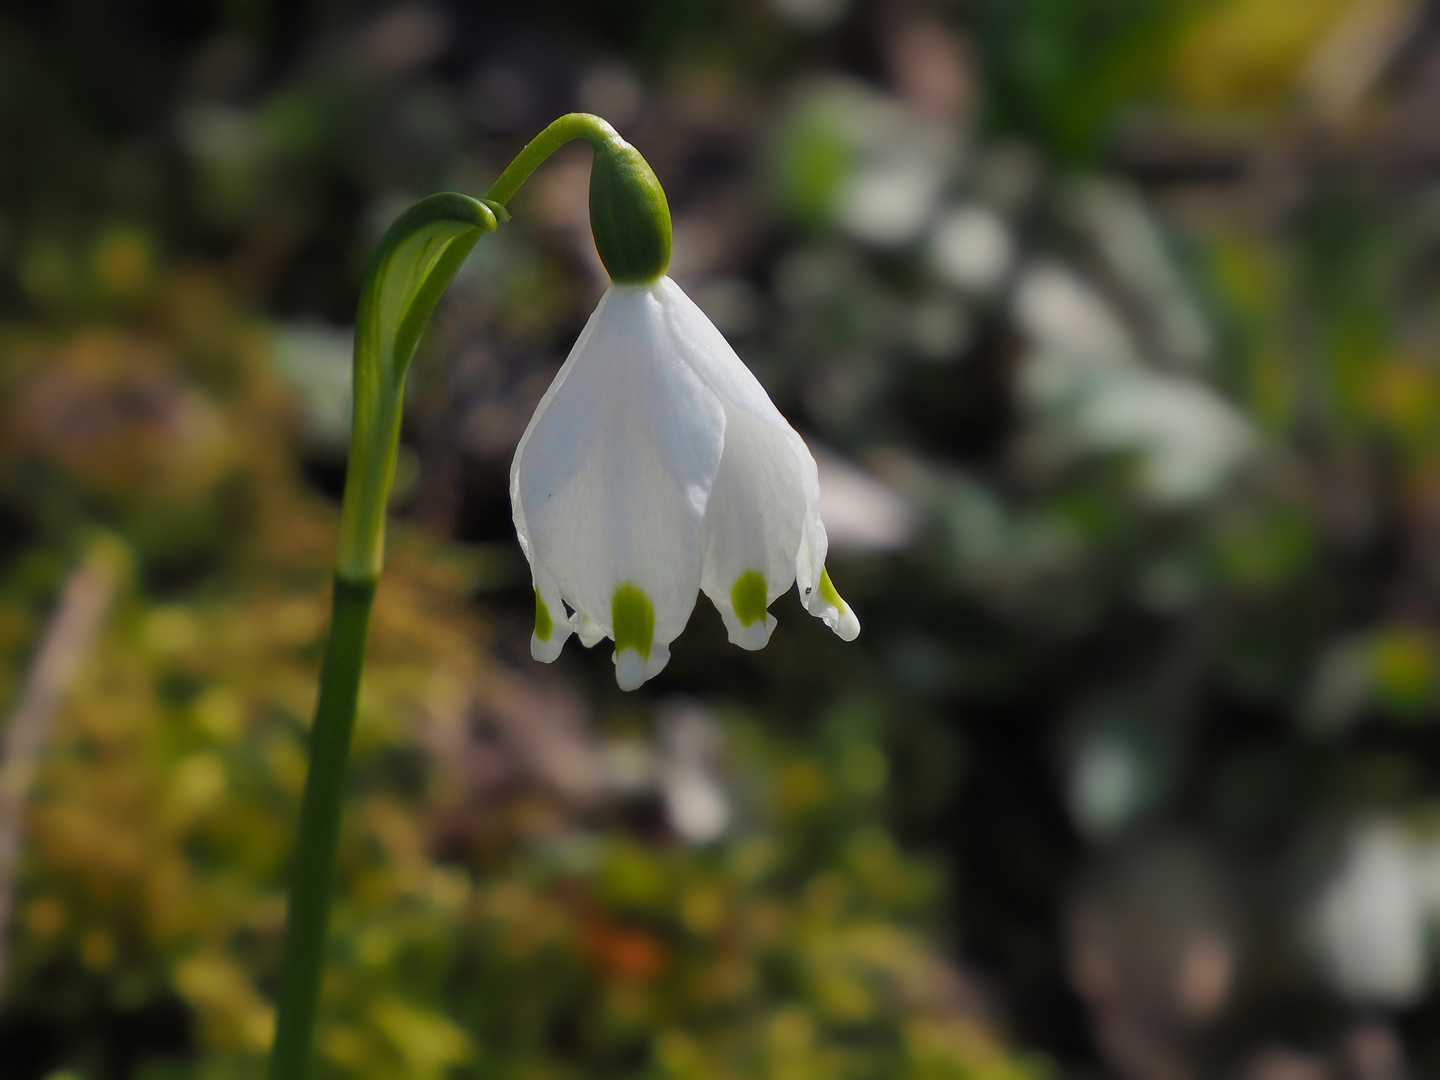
point(656, 465)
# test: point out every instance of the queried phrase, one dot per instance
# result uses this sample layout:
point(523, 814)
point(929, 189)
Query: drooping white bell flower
point(656, 466)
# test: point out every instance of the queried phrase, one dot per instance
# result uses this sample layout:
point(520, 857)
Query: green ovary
point(544, 624)
point(747, 597)
point(828, 593)
point(633, 619)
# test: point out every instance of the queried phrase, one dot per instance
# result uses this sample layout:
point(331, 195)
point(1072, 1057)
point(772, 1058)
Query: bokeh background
point(1113, 325)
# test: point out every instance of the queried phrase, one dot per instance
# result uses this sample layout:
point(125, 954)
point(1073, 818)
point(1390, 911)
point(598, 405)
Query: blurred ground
point(1113, 326)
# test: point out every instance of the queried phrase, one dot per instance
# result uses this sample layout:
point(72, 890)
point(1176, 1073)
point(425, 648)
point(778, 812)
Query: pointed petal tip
point(550, 634)
point(846, 624)
point(547, 651)
point(747, 622)
point(753, 637)
point(633, 671)
point(827, 605)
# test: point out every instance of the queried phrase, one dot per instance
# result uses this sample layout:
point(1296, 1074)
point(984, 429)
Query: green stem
point(415, 261)
point(587, 126)
point(309, 909)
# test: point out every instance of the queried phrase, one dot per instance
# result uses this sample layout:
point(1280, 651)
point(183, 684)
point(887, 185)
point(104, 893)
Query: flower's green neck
point(629, 216)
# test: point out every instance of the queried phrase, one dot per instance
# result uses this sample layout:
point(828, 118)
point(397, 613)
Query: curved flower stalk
point(416, 259)
point(656, 466)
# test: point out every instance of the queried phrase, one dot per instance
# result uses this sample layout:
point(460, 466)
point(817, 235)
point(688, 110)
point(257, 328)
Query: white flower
point(655, 466)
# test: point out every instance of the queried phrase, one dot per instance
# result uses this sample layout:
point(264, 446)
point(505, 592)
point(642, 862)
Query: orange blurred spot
point(621, 952)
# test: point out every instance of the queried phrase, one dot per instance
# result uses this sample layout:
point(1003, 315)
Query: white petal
point(766, 487)
point(550, 619)
point(522, 530)
point(753, 526)
point(612, 477)
point(765, 509)
point(706, 350)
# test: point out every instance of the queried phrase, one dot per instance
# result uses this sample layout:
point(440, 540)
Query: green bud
point(629, 216)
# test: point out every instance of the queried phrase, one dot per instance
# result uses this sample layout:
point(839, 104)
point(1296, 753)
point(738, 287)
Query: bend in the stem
point(594, 130)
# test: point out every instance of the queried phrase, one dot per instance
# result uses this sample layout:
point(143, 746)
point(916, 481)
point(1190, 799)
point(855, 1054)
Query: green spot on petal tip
point(747, 597)
point(828, 592)
point(544, 624)
point(632, 617)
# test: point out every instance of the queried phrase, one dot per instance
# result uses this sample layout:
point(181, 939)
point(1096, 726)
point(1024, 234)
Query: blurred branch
point(77, 618)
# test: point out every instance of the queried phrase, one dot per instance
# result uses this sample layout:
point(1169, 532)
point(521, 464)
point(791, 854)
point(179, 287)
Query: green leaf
point(417, 258)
